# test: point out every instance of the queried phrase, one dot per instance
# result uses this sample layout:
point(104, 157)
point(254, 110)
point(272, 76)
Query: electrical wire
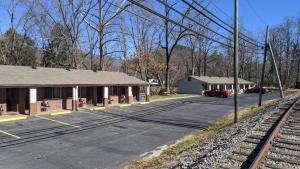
point(186, 16)
point(180, 25)
point(230, 29)
point(228, 25)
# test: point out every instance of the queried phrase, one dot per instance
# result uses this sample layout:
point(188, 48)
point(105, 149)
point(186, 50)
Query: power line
point(198, 23)
point(242, 34)
point(230, 30)
point(176, 23)
point(222, 11)
point(256, 13)
point(180, 25)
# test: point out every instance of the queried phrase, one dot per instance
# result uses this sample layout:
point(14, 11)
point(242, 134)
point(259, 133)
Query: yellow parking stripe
point(59, 122)
point(9, 134)
point(125, 105)
point(60, 113)
point(97, 108)
point(13, 118)
point(144, 103)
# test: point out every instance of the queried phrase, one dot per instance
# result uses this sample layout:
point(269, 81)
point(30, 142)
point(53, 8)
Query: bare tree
point(173, 35)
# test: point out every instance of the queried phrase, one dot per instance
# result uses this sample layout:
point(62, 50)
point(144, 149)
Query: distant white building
point(153, 81)
point(198, 84)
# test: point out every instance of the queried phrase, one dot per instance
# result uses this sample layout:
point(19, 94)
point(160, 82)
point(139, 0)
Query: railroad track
point(274, 144)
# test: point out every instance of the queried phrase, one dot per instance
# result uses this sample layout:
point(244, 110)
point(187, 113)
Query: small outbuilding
point(198, 84)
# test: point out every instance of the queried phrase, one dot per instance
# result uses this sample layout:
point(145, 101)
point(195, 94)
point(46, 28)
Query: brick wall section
point(39, 99)
point(32, 109)
point(114, 100)
point(55, 104)
point(68, 103)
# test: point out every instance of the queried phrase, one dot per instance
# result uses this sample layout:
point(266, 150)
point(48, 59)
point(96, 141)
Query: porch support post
point(218, 86)
point(232, 88)
point(75, 98)
point(148, 93)
point(225, 87)
point(130, 97)
point(209, 86)
point(32, 101)
point(105, 96)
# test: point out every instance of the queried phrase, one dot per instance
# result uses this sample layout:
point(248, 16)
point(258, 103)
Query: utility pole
point(276, 69)
point(236, 47)
point(263, 68)
point(101, 36)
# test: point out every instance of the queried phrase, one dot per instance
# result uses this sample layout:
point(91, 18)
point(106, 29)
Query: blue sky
point(255, 14)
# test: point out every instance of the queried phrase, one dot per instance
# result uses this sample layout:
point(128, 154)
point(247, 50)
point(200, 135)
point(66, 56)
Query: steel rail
point(261, 156)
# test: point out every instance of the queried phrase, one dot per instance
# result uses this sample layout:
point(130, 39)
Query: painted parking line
point(63, 112)
point(13, 118)
point(9, 134)
point(57, 121)
point(144, 103)
point(124, 105)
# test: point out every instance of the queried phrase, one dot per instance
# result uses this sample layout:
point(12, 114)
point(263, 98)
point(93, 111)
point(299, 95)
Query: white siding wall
point(190, 87)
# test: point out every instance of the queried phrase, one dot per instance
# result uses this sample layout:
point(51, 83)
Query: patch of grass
point(196, 138)
point(156, 97)
point(292, 90)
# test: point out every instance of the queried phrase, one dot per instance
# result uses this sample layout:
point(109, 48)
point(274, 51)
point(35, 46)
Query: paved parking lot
point(110, 138)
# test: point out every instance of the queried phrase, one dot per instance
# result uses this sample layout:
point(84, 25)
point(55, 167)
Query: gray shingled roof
point(26, 76)
point(220, 80)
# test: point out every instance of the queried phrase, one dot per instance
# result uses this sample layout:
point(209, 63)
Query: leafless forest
point(117, 35)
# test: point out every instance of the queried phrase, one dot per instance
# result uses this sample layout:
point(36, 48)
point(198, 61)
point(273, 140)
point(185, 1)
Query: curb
point(60, 113)
point(13, 118)
point(125, 105)
point(97, 108)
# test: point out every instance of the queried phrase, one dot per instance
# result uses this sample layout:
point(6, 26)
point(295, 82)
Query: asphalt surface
point(110, 138)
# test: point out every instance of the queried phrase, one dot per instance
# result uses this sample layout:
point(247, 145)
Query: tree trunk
point(298, 72)
point(205, 65)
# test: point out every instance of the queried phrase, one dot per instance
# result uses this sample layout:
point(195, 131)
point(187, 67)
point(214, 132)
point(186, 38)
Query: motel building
point(198, 84)
point(33, 91)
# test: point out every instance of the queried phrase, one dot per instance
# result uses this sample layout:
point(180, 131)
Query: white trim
point(209, 86)
point(105, 92)
point(75, 93)
point(32, 95)
point(148, 90)
point(129, 91)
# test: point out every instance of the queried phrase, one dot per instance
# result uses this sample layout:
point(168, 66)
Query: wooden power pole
point(276, 70)
point(264, 67)
point(236, 47)
point(268, 47)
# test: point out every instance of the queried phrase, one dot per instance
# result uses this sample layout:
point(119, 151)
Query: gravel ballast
point(214, 152)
